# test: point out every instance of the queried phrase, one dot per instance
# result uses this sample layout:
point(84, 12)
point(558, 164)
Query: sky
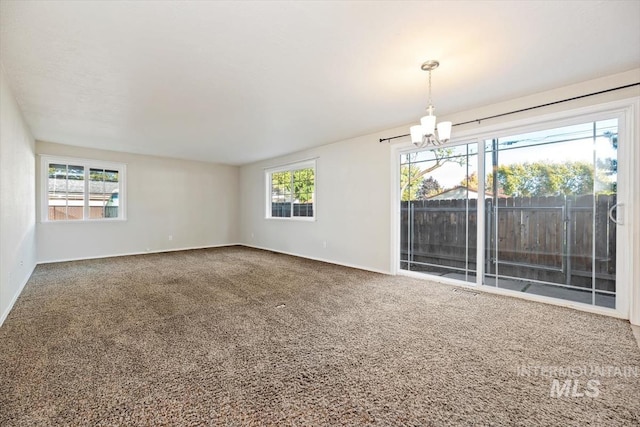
point(570, 143)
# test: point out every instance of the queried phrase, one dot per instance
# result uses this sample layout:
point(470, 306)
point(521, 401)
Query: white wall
point(354, 186)
point(195, 202)
point(17, 200)
point(352, 206)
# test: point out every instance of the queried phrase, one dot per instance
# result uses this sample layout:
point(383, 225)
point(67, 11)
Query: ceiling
point(236, 82)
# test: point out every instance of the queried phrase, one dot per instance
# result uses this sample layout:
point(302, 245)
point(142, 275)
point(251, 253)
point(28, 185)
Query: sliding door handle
point(619, 216)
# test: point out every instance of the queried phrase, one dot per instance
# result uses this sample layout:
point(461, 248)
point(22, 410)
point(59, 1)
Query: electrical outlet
point(170, 237)
point(324, 244)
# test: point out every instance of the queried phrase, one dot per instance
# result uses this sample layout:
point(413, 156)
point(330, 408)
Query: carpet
point(238, 336)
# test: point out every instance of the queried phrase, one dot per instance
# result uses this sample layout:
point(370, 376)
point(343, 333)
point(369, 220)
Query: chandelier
point(425, 133)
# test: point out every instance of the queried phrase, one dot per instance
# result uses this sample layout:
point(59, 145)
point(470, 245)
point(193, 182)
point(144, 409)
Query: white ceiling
point(236, 82)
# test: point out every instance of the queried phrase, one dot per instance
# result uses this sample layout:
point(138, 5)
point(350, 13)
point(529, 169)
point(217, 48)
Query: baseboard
point(328, 261)
point(636, 333)
point(4, 315)
point(190, 248)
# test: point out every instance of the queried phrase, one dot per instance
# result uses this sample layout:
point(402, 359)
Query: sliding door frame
point(628, 240)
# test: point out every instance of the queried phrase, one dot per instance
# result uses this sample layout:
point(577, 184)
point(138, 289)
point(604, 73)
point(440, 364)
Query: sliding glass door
point(439, 198)
point(548, 204)
point(548, 228)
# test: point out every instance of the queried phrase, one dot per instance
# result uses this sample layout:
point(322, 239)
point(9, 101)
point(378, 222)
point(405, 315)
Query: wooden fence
point(283, 209)
point(542, 238)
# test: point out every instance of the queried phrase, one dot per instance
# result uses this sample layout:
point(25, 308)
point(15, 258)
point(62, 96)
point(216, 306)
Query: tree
point(301, 181)
point(471, 181)
point(103, 175)
point(606, 168)
point(410, 181)
point(412, 176)
point(303, 185)
point(544, 179)
point(281, 184)
point(429, 187)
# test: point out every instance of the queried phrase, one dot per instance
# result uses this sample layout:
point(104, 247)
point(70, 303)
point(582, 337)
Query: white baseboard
point(158, 251)
point(4, 315)
point(359, 267)
point(328, 261)
point(636, 333)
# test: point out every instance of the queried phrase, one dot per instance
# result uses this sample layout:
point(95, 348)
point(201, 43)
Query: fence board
point(541, 238)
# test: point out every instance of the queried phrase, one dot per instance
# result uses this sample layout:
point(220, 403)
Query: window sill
point(83, 221)
point(301, 218)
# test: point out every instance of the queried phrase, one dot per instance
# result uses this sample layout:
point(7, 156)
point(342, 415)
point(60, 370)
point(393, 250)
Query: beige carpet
point(237, 336)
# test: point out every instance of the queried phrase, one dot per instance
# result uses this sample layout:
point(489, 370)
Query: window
point(548, 228)
point(81, 190)
point(438, 211)
point(291, 191)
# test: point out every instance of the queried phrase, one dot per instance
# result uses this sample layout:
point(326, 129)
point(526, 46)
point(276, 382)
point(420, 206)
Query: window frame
point(291, 167)
point(88, 164)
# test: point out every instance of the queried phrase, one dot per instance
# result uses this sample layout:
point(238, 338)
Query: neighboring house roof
point(77, 186)
point(460, 192)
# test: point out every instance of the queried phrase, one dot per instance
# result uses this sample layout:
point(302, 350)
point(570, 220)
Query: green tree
point(410, 182)
point(303, 185)
point(301, 181)
point(544, 179)
point(281, 185)
point(103, 175)
point(471, 181)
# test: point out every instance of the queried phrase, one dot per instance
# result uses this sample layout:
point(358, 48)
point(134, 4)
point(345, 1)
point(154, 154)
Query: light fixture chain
point(430, 103)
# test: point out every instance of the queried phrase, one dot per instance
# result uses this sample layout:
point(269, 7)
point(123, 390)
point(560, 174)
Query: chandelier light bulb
point(444, 131)
point(416, 134)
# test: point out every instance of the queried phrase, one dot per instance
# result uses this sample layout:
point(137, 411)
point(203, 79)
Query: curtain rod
point(526, 109)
